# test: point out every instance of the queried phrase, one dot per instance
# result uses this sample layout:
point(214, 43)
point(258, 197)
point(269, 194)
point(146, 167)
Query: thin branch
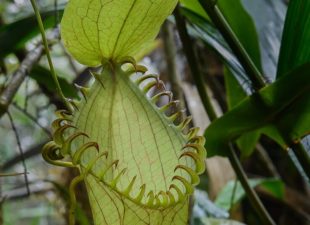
point(171, 66)
point(33, 151)
point(229, 35)
point(20, 151)
point(18, 77)
point(193, 63)
point(33, 119)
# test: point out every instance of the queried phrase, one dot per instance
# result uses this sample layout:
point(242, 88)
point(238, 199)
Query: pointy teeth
point(189, 188)
point(63, 114)
point(116, 179)
point(130, 186)
point(137, 69)
point(169, 105)
point(84, 91)
point(200, 166)
point(129, 60)
point(66, 148)
point(151, 197)
point(155, 98)
point(97, 78)
point(104, 171)
point(171, 197)
point(192, 133)
point(141, 193)
point(51, 148)
point(58, 134)
point(165, 198)
point(199, 149)
point(145, 77)
point(58, 123)
point(194, 177)
point(78, 154)
point(198, 140)
point(180, 194)
point(74, 103)
point(148, 86)
point(184, 124)
point(175, 116)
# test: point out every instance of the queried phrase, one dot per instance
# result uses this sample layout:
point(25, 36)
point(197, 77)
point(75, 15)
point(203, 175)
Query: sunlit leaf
point(273, 106)
point(95, 31)
point(295, 47)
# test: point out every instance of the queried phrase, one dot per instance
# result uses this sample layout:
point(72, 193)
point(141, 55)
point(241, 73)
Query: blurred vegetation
point(244, 78)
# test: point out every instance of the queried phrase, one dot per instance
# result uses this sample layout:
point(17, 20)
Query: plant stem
point(254, 74)
point(48, 55)
point(303, 157)
point(220, 22)
point(193, 63)
point(170, 53)
point(251, 194)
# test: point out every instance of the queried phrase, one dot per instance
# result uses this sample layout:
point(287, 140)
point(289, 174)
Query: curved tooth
point(130, 186)
point(157, 201)
point(84, 91)
point(104, 171)
point(198, 140)
point(180, 194)
point(58, 134)
point(194, 177)
point(145, 77)
point(200, 166)
point(62, 114)
point(149, 85)
point(78, 154)
point(192, 133)
point(165, 198)
point(97, 78)
point(169, 105)
point(141, 194)
point(199, 149)
point(175, 116)
point(171, 197)
point(155, 98)
point(129, 60)
point(66, 148)
point(138, 69)
point(189, 188)
point(58, 122)
point(151, 197)
point(74, 103)
point(116, 179)
point(92, 163)
point(184, 124)
point(50, 150)
point(49, 154)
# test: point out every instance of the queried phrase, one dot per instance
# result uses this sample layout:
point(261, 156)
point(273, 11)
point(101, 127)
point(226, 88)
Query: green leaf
point(223, 200)
point(272, 106)
point(100, 30)
point(239, 20)
point(14, 36)
point(295, 47)
point(235, 94)
point(194, 6)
